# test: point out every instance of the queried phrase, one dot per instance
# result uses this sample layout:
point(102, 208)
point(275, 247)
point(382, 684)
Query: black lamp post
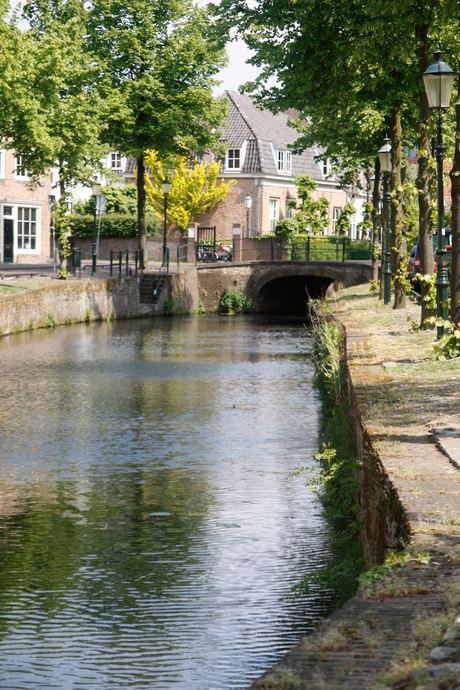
point(248, 204)
point(385, 166)
point(166, 187)
point(99, 210)
point(439, 80)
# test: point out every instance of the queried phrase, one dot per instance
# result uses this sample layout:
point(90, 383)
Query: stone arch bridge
point(279, 286)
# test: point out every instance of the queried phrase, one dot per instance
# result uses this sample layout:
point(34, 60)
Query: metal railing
point(123, 260)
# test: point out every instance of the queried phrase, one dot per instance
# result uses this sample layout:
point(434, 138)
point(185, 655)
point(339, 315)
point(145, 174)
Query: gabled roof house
point(259, 159)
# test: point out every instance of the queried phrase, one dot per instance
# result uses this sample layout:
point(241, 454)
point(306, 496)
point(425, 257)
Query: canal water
point(151, 528)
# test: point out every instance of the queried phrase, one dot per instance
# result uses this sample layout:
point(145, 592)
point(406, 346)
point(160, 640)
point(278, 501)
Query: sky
point(237, 71)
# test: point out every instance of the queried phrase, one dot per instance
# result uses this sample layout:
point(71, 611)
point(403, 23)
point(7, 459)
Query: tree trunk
point(455, 266)
point(375, 221)
point(62, 257)
point(382, 254)
point(141, 206)
point(398, 240)
point(423, 177)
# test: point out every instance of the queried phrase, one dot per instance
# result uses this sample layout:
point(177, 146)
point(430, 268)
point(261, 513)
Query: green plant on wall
point(235, 301)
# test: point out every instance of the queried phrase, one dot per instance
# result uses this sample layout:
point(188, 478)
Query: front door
point(8, 236)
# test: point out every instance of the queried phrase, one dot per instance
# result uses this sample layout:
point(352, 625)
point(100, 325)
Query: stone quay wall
point(71, 301)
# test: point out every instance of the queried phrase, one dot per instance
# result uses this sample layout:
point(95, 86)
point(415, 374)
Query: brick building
point(24, 214)
point(258, 158)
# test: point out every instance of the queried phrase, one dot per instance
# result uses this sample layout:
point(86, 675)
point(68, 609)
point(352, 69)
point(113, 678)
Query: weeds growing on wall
point(234, 301)
point(336, 482)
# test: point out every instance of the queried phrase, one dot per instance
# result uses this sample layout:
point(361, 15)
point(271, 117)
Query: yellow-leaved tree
point(194, 190)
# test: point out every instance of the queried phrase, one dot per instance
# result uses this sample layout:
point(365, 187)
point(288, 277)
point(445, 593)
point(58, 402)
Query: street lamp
point(51, 202)
point(385, 166)
point(166, 187)
point(439, 80)
point(99, 210)
point(248, 204)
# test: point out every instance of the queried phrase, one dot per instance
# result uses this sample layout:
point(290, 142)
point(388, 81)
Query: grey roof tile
point(260, 128)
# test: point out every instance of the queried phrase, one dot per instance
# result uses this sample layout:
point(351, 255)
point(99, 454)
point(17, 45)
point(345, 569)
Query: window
point(20, 167)
point(115, 160)
point(327, 167)
point(335, 217)
point(27, 228)
point(274, 213)
point(7, 210)
point(284, 161)
point(233, 159)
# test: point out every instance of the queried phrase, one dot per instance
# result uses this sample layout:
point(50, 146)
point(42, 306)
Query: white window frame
point(231, 158)
point(273, 213)
point(326, 168)
point(117, 158)
point(18, 211)
point(20, 170)
point(336, 211)
point(283, 160)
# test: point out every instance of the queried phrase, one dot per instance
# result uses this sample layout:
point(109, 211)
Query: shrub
point(234, 301)
point(286, 229)
point(112, 225)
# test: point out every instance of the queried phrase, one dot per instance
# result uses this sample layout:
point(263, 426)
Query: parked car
point(411, 267)
point(414, 257)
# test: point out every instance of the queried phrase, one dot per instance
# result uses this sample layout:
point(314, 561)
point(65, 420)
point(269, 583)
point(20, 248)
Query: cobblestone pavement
point(406, 620)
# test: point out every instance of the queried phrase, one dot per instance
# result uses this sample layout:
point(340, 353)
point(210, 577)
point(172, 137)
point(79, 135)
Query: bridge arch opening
point(289, 294)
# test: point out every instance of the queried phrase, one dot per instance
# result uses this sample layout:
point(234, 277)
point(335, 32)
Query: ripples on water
point(150, 526)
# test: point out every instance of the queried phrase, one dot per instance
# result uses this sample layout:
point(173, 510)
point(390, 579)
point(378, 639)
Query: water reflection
point(150, 525)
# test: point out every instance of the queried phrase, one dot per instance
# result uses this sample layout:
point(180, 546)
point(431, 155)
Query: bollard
point(111, 262)
point(120, 253)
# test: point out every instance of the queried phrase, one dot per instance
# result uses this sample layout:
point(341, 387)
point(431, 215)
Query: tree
point(158, 62)
point(313, 215)
point(343, 223)
point(361, 65)
point(194, 190)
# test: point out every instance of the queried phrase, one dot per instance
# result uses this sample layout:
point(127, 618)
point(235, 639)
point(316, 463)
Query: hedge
point(324, 247)
point(112, 225)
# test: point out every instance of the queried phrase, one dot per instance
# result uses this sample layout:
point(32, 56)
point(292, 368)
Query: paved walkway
point(410, 406)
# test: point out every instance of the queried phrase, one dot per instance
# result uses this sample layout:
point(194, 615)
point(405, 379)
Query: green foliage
point(234, 301)
point(430, 297)
point(118, 200)
point(313, 215)
point(112, 225)
point(168, 307)
point(396, 560)
point(336, 482)
point(401, 275)
point(374, 286)
point(286, 229)
point(343, 224)
point(194, 189)
point(367, 225)
point(201, 307)
point(449, 345)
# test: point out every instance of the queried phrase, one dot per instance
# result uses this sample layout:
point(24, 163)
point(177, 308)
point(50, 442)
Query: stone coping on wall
point(407, 410)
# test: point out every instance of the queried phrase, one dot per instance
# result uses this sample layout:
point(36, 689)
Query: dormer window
point(115, 160)
point(326, 167)
point(233, 159)
point(284, 161)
